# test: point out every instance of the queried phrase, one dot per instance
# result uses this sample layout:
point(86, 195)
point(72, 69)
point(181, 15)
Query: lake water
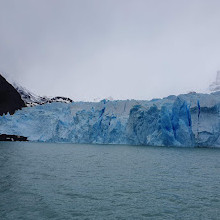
point(66, 181)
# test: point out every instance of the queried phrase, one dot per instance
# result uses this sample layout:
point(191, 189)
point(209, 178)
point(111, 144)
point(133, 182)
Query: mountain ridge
point(31, 99)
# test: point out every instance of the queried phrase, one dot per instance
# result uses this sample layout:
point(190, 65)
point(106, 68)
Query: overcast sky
point(126, 49)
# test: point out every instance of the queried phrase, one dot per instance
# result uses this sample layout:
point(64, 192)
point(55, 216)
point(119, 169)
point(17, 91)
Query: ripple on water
point(63, 181)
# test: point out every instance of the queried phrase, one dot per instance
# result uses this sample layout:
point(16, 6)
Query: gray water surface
point(65, 181)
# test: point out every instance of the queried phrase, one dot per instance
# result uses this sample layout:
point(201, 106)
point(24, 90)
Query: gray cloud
point(121, 48)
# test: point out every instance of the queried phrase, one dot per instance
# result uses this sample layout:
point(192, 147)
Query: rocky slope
point(10, 99)
point(31, 99)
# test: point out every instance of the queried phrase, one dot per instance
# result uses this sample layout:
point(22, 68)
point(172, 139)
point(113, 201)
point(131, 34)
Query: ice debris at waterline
point(186, 120)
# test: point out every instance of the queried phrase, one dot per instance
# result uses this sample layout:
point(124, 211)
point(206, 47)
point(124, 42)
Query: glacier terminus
point(187, 120)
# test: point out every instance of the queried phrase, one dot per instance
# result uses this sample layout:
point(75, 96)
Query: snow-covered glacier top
point(186, 120)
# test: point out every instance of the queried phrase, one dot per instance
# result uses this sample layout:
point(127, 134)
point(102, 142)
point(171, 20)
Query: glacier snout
point(186, 120)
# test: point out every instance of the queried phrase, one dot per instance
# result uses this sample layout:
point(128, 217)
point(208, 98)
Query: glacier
point(191, 120)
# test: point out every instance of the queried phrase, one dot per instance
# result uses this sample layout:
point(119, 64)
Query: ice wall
point(186, 120)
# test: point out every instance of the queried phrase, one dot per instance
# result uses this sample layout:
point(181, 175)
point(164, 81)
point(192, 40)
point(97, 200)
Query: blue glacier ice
point(186, 120)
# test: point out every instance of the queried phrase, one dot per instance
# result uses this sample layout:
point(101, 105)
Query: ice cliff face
point(186, 120)
point(167, 126)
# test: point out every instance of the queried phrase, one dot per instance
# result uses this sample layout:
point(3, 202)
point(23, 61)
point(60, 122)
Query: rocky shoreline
point(6, 137)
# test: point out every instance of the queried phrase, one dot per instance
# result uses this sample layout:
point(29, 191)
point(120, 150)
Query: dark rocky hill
point(10, 99)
